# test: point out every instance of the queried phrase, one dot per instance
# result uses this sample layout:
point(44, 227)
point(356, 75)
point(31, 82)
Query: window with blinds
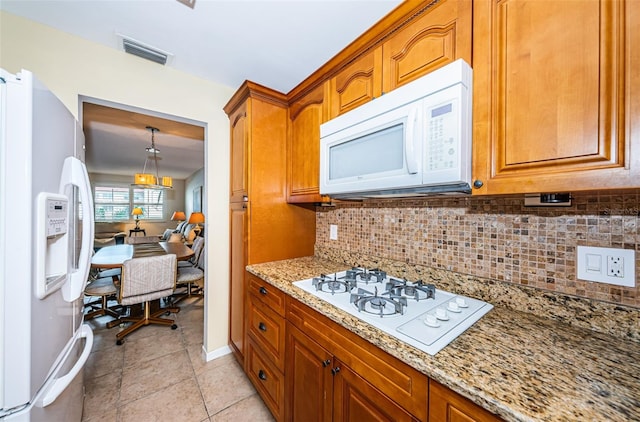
point(115, 203)
point(151, 201)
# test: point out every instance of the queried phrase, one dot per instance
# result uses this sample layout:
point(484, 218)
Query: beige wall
point(70, 67)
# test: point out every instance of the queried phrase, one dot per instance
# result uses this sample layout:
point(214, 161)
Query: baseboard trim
point(208, 356)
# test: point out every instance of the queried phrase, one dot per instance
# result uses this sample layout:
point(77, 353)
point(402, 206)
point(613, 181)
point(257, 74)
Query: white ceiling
point(274, 43)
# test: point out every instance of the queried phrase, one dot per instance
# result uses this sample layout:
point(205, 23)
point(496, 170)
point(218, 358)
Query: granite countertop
point(520, 366)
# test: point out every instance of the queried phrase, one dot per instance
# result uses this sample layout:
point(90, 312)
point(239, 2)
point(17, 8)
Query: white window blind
point(151, 201)
point(111, 203)
point(115, 203)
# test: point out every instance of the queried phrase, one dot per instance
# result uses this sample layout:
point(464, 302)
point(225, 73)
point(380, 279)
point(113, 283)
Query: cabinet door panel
point(403, 384)
point(238, 251)
point(549, 99)
point(357, 83)
point(309, 379)
point(356, 400)
point(446, 405)
point(439, 35)
point(306, 115)
point(239, 144)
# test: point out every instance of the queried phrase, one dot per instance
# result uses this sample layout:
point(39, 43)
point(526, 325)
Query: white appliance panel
point(428, 324)
point(38, 336)
point(429, 153)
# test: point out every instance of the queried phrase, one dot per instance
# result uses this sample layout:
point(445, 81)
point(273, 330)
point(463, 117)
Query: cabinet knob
point(245, 198)
point(326, 363)
point(477, 184)
point(263, 291)
point(262, 375)
point(262, 327)
point(335, 370)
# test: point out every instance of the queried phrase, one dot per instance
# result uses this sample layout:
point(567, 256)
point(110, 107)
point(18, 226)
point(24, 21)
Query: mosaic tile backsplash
point(493, 237)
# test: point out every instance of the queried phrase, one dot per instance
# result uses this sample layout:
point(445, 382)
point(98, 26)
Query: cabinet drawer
point(267, 379)
point(267, 329)
point(266, 293)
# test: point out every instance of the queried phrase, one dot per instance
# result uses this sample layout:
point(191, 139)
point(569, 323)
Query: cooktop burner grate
point(366, 275)
point(333, 285)
point(417, 290)
point(374, 304)
point(413, 311)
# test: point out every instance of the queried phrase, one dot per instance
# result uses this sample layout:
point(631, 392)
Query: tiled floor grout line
point(210, 384)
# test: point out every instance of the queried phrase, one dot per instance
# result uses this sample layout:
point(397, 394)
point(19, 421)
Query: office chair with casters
point(197, 246)
point(104, 288)
point(192, 278)
point(146, 280)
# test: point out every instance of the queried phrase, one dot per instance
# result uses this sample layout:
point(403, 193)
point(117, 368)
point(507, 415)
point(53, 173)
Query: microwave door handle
point(409, 144)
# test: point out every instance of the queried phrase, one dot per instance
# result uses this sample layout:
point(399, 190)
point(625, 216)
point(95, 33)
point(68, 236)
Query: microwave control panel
point(443, 146)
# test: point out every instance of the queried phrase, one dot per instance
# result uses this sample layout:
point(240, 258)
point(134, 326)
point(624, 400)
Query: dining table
point(114, 256)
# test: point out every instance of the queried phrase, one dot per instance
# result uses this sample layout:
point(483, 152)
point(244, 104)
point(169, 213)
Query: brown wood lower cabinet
point(309, 379)
point(447, 406)
point(267, 379)
point(308, 368)
point(334, 374)
point(354, 399)
point(322, 388)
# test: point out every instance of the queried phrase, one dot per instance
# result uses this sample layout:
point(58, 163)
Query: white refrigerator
point(46, 241)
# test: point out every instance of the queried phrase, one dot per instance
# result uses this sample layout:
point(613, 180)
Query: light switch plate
point(606, 265)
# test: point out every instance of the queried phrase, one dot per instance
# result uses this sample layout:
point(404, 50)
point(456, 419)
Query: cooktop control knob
point(454, 307)
point(441, 314)
point(461, 302)
point(431, 321)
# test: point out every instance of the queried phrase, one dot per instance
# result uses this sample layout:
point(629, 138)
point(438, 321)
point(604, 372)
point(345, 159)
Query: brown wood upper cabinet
point(435, 35)
point(305, 116)
point(555, 95)
point(402, 49)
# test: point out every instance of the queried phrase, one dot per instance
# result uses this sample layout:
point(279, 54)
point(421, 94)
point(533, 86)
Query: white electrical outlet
point(606, 265)
point(615, 266)
point(333, 232)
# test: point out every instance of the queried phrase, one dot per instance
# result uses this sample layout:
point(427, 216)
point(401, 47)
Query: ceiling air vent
point(139, 49)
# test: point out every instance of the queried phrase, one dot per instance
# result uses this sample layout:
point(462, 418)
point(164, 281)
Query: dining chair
point(144, 280)
point(192, 278)
point(105, 289)
point(198, 244)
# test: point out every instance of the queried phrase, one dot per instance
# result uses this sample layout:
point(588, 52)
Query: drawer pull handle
point(262, 327)
point(262, 375)
point(326, 363)
point(263, 291)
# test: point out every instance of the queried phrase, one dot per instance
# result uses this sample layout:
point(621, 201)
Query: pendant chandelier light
point(149, 180)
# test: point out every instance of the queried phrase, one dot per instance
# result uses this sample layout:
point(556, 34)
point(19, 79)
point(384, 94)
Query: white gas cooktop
point(413, 312)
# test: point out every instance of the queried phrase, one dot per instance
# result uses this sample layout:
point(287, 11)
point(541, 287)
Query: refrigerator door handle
point(60, 384)
point(75, 173)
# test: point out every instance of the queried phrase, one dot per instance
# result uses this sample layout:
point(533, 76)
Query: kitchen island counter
point(518, 365)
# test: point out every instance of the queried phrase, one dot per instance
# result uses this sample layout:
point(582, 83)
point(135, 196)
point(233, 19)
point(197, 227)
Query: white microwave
point(415, 140)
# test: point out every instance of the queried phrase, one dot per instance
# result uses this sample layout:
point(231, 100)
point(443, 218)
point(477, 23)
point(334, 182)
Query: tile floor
point(159, 374)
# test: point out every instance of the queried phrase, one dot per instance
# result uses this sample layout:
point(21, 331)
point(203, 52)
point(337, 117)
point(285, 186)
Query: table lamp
point(178, 216)
point(137, 211)
point(196, 218)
